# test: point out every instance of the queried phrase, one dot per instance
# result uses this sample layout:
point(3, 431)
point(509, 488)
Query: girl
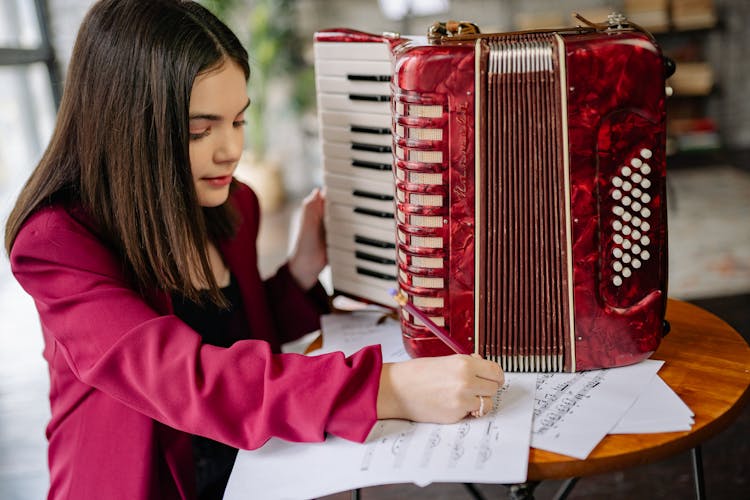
point(138, 247)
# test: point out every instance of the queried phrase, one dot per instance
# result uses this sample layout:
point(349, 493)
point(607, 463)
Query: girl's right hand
point(439, 389)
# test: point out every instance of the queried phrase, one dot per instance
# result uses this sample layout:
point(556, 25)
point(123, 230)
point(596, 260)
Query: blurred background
point(708, 179)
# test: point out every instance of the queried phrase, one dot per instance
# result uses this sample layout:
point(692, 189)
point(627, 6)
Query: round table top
point(707, 363)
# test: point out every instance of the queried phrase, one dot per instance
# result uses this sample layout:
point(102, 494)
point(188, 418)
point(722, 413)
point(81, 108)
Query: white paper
point(658, 409)
point(352, 331)
point(490, 449)
point(574, 411)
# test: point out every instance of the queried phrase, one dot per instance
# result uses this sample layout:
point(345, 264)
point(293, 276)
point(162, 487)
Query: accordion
point(511, 185)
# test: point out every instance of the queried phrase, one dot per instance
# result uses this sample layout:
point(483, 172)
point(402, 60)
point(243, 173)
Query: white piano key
point(342, 102)
point(340, 212)
point(345, 135)
point(328, 67)
point(348, 243)
point(364, 203)
point(356, 51)
point(342, 85)
point(349, 118)
point(345, 151)
point(343, 166)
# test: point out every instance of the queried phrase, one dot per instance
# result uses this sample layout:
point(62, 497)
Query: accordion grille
point(523, 311)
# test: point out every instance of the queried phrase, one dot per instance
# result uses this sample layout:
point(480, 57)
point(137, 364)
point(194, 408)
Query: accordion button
point(618, 239)
point(616, 194)
point(616, 280)
point(646, 183)
point(645, 255)
point(626, 230)
point(646, 153)
point(636, 249)
point(618, 210)
point(636, 264)
point(645, 241)
point(626, 201)
point(636, 206)
point(645, 169)
point(636, 162)
point(617, 253)
point(626, 186)
point(617, 225)
point(645, 226)
point(626, 171)
point(636, 177)
point(627, 272)
point(646, 198)
point(626, 258)
point(626, 216)
point(626, 244)
point(617, 266)
point(637, 192)
point(646, 212)
point(616, 181)
point(636, 235)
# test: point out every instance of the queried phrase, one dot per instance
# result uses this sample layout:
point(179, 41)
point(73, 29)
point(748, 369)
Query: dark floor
point(726, 457)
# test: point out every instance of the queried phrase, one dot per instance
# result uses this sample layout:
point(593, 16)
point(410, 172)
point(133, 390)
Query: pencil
point(439, 332)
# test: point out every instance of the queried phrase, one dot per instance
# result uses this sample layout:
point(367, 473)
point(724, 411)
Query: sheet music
point(574, 411)
point(658, 409)
point(352, 331)
point(490, 449)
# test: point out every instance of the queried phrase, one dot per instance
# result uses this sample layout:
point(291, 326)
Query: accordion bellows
point(523, 203)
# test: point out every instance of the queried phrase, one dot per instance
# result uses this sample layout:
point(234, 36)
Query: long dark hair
point(120, 145)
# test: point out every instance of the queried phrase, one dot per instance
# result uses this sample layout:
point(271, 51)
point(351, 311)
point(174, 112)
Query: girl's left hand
point(309, 256)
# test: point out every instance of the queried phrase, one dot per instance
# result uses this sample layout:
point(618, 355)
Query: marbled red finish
point(346, 35)
point(615, 109)
point(442, 75)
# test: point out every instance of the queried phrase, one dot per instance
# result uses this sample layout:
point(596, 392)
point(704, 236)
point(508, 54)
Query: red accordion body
point(530, 215)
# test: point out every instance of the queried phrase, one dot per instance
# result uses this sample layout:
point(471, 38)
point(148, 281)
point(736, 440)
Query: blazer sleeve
point(113, 340)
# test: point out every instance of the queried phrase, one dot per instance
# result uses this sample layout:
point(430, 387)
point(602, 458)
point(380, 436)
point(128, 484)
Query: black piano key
point(370, 130)
point(369, 97)
point(374, 274)
point(374, 148)
point(371, 165)
point(373, 196)
point(374, 213)
point(364, 240)
point(374, 258)
point(369, 78)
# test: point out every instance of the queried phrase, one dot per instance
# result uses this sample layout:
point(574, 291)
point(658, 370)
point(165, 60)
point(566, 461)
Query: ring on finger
point(480, 412)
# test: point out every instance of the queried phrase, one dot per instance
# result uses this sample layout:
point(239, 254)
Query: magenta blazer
point(129, 381)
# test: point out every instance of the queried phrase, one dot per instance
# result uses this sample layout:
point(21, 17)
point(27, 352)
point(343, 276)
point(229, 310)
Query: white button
point(646, 198)
point(636, 162)
point(645, 169)
point(637, 192)
point(625, 244)
point(617, 225)
point(646, 153)
point(636, 206)
point(616, 194)
point(626, 272)
point(645, 241)
point(636, 249)
point(646, 183)
point(618, 210)
point(626, 230)
point(626, 186)
point(636, 177)
point(636, 264)
point(626, 258)
point(617, 266)
point(626, 216)
point(636, 235)
point(626, 171)
point(645, 226)
point(616, 280)
point(616, 253)
point(636, 222)
point(626, 200)
point(646, 213)
point(645, 255)
point(617, 239)
point(616, 181)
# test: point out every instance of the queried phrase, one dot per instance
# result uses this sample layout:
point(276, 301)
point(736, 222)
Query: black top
point(222, 328)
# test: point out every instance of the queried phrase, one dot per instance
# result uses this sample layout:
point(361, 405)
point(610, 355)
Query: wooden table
point(707, 363)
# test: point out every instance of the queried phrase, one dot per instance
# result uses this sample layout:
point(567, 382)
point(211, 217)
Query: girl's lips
point(218, 181)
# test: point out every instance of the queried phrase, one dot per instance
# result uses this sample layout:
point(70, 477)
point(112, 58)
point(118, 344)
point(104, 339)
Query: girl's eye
point(239, 123)
point(198, 135)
